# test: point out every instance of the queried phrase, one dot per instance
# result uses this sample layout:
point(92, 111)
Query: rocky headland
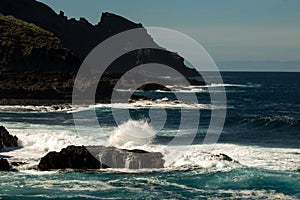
point(41, 52)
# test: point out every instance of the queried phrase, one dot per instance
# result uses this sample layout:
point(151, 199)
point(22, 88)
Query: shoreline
point(40, 102)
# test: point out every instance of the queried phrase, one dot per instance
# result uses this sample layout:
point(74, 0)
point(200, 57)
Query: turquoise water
point(196, 183)
point(261, 133)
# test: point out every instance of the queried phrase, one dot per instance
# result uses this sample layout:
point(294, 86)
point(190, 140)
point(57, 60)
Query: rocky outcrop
point(36, 86)
point(223, 157)
point(7, 140)
point(153, 87)
point(113, 157)
point(4, 165)
point(97, 157)
point(73, 157)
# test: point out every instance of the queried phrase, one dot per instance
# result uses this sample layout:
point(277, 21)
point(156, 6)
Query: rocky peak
point(113, 20)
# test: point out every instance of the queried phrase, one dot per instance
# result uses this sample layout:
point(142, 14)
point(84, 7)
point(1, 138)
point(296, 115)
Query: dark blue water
point(262, 109)
point(261, 132)
point(266, 115)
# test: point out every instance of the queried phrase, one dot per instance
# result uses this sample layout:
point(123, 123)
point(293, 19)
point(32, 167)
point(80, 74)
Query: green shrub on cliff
point(25, 46)
point(15, 31)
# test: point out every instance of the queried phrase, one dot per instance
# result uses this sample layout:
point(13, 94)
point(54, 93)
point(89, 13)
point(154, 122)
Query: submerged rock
point(97, 157)
point(7, 140)
point(17, 164)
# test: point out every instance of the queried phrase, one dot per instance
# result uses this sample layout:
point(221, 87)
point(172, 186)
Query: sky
point(232, 31)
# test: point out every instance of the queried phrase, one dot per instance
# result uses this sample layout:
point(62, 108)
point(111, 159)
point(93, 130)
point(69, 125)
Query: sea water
point(261, 133)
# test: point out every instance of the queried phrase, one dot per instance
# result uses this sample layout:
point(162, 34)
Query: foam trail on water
point(255, 157)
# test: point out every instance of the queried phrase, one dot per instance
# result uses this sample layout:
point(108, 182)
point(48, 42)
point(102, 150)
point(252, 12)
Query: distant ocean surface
point(261, 132)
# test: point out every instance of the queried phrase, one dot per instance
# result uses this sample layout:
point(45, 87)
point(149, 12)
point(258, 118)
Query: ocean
point(261, 133)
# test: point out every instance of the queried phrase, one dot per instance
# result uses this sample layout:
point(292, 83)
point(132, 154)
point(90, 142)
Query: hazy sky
point(231, 30)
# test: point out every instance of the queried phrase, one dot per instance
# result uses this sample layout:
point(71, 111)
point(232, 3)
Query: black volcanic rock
point(4, 165)
point(153, 87)
point(96, 157)
point(7, 140)
point(71, 157)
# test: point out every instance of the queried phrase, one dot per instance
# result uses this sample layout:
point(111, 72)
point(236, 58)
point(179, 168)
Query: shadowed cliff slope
point(80, 36)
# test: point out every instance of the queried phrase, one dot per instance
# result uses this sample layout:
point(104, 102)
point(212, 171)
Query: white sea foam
point(201, 155)
point(131, 134)
point(37, 140)
point(248, 156)
point(195, 88)
point(142, 104)
point(39, 109)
